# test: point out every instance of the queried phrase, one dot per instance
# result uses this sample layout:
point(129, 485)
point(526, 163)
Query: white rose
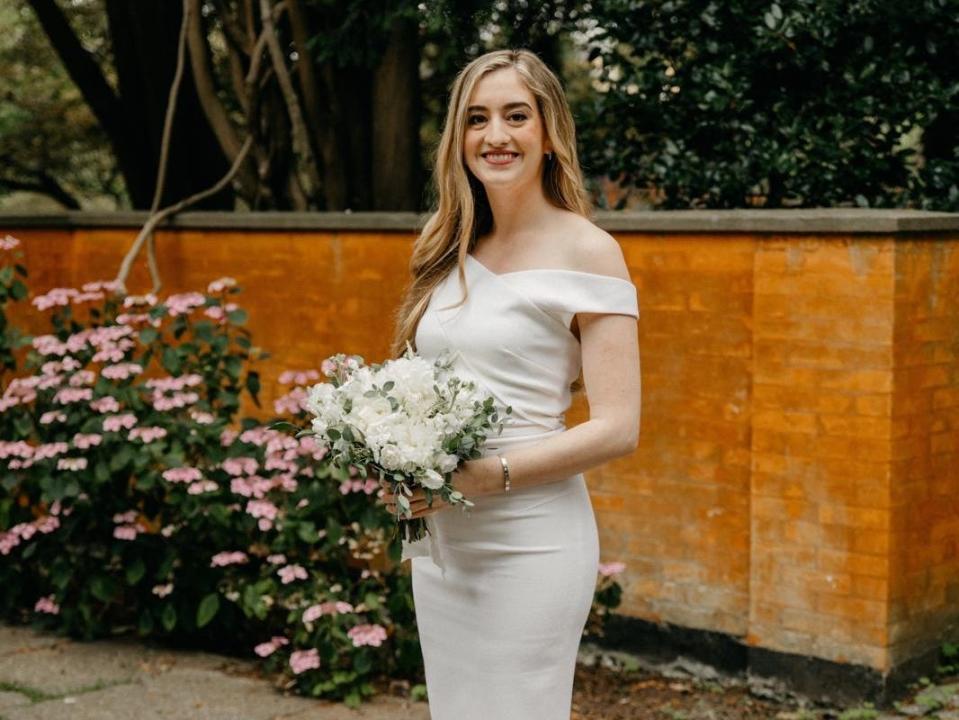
point(390, 457)
point(432, 479)
point(447, 462)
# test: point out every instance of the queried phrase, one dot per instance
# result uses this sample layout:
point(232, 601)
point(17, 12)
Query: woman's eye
point(474, 117)
point(521, 116)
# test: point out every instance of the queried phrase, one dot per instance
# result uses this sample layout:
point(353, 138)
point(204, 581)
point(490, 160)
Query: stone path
point(46, 677)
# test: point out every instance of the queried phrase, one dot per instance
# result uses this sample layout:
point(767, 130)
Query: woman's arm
point(611, 375)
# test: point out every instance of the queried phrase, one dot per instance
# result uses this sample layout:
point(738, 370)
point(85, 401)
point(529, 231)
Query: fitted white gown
point(502, 594)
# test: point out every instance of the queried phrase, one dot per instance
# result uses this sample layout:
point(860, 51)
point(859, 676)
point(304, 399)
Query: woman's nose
point(496, 132)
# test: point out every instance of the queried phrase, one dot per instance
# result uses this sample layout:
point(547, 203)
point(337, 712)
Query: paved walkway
point(46, 677)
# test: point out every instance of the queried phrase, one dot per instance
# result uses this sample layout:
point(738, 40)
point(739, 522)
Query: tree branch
point(309, 178)
point(206, 92)
point(81, 66)
point(158, 217)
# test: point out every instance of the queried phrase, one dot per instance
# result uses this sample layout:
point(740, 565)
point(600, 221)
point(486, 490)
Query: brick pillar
point(821, 451)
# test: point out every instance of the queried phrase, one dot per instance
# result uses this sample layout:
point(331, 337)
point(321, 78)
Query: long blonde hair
point(462, 212)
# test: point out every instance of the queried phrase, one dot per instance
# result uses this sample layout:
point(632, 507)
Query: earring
point(549, 156)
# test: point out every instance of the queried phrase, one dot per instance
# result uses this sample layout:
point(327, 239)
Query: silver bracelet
point(505, 472)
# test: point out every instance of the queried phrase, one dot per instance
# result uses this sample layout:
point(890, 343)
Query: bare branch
point(301, 143)
point(231, 28)
point(223, 129)
point(158, 217)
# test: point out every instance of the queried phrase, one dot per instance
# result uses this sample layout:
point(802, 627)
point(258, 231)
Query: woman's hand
point(417, 500)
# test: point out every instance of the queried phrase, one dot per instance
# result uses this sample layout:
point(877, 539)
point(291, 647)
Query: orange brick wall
point(821, 417)
point(797, 477)
point(923, 535)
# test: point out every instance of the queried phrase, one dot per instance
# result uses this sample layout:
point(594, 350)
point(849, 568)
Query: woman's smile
point(500, 159)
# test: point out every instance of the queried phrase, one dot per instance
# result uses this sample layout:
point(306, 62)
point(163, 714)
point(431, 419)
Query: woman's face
point(504, 137)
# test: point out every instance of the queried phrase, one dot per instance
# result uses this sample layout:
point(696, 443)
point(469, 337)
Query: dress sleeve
point(567, 292)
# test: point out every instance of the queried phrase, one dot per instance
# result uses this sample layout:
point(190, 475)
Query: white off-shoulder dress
point(502, 594)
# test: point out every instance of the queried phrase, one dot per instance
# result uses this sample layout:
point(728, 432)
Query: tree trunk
point(144, 36)
point(397, 176)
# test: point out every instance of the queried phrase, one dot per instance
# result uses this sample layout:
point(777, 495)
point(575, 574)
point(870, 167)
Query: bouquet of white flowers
point(408, 420)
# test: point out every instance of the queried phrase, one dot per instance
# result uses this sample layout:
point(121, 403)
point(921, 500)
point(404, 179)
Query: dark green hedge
point(807, 102)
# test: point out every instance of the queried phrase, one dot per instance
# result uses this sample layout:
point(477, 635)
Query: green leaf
point(306, 531)
point(168, 617)
point(135, 571)
point(372, 600)
point(233, 366)
point(103, 588)
point(237, 317)
point(145, 623)
point(171, 360)
point(121, 457)
point(363, 663)
point(207, 609)
point(253, 385)
point(149, 335)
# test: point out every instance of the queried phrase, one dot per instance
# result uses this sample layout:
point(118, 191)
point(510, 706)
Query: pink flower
point(202, 418)
point(367, 635)
point(330, 607)
point(148, 300)
point(162, 590)
point(277, 559)
point(199, 488)
point(116, 423)
point(71, 463)
point(82, 377)
point(183, 303)
point(98, 285)
point(182, 475)
point(293, 402)
point(302, 660)
point(220, 284)
point(121, 371)
point(128, 517)
point(49, 345)
point(298, 377)
point(229, 558)
point(262, 509)
point(70, 395)
point(137, 318)
point(292, 572)
point(268, 648)
point(47, 605)
point(50, 450)
point(227, 437)
point(147, 434)
point(56, 296)
point(47, 524)
point(85, 441)
point(240, 466)
point(611, 568)
point(215, 312)
point(52, 416)
point(125, 532)
point(8, 243)
point(105, 404)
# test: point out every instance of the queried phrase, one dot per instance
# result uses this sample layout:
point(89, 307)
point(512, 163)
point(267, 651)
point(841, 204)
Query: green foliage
point(757, 103)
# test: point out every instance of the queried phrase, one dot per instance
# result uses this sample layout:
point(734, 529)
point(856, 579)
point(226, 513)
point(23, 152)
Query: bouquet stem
point(413, 529)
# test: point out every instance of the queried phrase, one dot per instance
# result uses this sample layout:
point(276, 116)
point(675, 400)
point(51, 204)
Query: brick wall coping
point(800, 221)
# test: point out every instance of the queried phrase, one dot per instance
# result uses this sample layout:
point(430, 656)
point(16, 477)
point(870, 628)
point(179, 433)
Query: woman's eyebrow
point(507, 106)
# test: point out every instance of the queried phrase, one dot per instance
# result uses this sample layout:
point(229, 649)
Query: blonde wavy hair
point(462, 213)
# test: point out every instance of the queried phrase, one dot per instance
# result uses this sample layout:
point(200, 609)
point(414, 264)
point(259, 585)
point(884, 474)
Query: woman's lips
point(500, 159)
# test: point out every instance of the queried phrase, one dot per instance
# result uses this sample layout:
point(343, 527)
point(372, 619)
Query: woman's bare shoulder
point(589, 248)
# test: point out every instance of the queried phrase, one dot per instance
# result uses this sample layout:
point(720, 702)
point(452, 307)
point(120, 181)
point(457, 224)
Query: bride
point(510, 272)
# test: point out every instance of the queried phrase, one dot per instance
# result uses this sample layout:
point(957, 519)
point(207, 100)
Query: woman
point(510, 272)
